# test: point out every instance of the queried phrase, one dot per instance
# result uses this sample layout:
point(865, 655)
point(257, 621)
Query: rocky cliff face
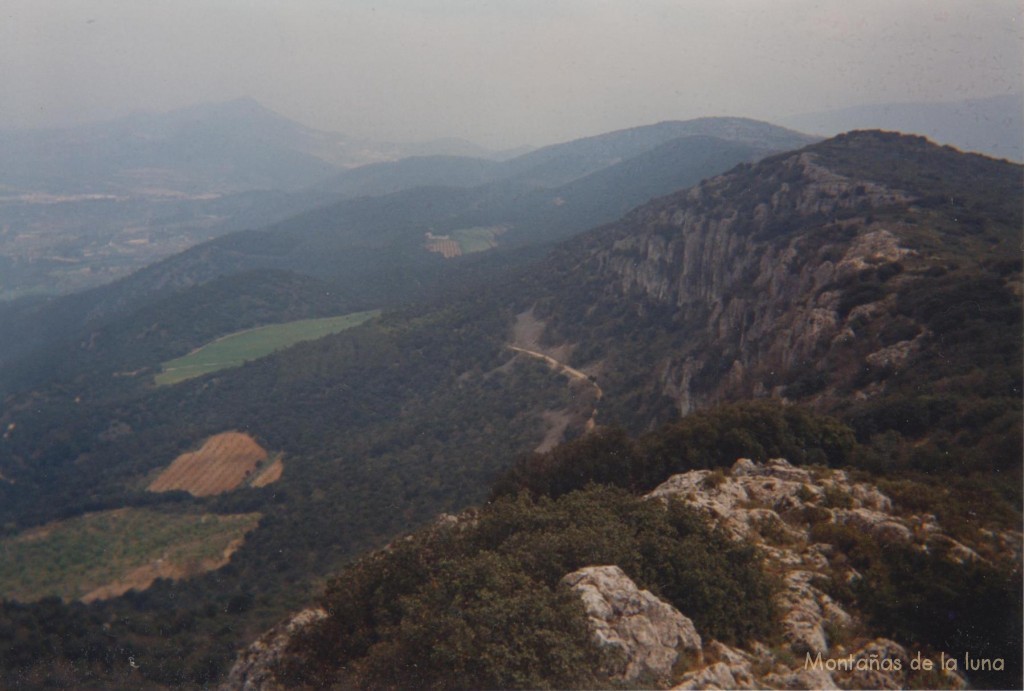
point(784, 278)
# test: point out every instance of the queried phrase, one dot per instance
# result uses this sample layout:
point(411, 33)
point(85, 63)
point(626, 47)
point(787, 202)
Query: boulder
point(645, 634)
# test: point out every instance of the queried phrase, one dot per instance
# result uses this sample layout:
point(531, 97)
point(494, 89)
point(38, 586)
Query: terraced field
point(105, 554)
point(223, 463)
point(235, 349)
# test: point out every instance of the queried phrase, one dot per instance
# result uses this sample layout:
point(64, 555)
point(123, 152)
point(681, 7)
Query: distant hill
point(561, 163)
point(992, 126)
point(558, 164)
point(85, 205)
point(387, 177)
point(213, 148)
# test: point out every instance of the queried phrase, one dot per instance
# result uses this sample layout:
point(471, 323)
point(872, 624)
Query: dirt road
point(571, 372)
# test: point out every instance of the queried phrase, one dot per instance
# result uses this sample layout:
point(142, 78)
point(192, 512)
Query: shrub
point(483, 606)
point(712, 438)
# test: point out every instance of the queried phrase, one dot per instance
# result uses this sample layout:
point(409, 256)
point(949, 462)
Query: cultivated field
point(235, 349)
point(104, 554)
point(271, 474)
point(443, 245)
point(465, 241)
point(223, 463)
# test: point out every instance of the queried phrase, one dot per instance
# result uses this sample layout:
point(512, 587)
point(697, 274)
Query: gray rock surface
point(645, 634)
point(254, 668)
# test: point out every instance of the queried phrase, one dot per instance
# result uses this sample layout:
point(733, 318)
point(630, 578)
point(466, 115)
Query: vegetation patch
point(251, 344)
point(224, 462)
point(482, 604)
point(708, 439)
point(105, 554)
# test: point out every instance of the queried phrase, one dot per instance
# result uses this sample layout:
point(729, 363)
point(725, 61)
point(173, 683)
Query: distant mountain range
point(992, 126)
point(83, 206)
point(215, 148)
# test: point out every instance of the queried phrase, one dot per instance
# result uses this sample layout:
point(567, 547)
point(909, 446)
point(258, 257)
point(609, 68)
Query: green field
point(479, 239)
point(71, 558)
point(236, 348)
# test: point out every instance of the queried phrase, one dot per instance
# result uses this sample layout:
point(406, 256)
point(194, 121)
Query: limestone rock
point(875, 523)
point(254, 668)
point(716, 676)
point(869, 666)
point(647, 633)
point(771, 306)
point(800, 679)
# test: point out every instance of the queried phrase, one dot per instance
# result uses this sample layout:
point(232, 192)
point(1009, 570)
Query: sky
point(502, 73)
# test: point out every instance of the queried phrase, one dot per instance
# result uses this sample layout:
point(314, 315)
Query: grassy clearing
point(74, 558)
point(478, 239)
point(235, 349)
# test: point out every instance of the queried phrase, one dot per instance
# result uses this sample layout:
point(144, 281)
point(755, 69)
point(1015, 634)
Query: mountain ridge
point(350, 242)
point(992, 126)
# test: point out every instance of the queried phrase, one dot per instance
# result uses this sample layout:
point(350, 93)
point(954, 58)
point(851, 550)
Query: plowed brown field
point(271, 474)
point(223, 463)
point(447, 248)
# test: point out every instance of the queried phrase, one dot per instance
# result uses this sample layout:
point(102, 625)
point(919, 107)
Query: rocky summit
point(782, 510)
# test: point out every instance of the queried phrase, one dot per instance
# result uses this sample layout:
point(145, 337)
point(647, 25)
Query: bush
point(972, 608)
point(713, 438)
point(482, 606)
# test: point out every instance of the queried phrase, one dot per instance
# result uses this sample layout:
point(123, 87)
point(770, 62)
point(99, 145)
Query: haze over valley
point(571, 344)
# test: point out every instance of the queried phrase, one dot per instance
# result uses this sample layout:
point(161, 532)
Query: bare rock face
point(862, 674)
point(800, 679)
point(772, 505)
point(254, 668)
point(759, 302)
point(716, 676)
point(646, 634)
point(752, 503)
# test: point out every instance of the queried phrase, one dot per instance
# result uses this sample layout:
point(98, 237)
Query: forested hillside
point(371, 250)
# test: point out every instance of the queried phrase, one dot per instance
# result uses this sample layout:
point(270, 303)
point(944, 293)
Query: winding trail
point(571, 372)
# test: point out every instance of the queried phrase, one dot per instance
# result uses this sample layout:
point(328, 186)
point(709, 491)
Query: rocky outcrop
point(645, 635)
point(254, 668)
point(772, 505)
point(758, 266)
point(650, 643)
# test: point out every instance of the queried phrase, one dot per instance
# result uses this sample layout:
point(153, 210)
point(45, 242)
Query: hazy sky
point(499, 72)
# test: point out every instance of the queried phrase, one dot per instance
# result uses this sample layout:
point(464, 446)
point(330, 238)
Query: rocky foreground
point(774, 506)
